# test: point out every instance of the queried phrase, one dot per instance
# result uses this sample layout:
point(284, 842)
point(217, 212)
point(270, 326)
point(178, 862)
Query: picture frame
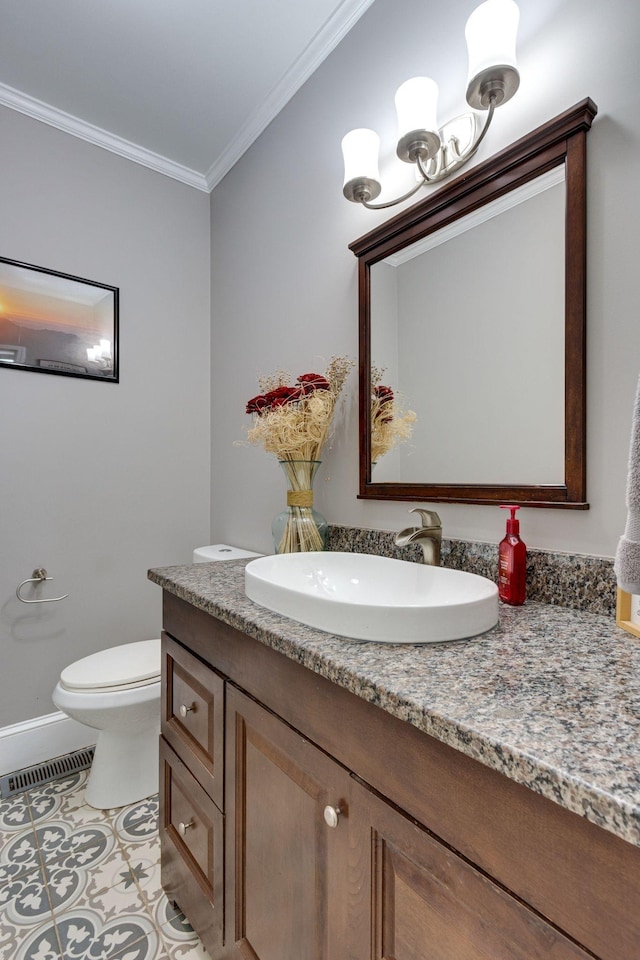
point(623, 613)
point(57, 323)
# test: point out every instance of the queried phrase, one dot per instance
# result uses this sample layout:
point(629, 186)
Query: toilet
point(117, 692)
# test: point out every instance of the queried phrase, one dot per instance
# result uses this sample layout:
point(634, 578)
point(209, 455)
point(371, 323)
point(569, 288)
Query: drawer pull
point(184, 709)
point(331, 816)
point(183, 827)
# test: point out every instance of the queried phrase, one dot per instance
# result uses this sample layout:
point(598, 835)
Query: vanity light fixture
point(493, 79)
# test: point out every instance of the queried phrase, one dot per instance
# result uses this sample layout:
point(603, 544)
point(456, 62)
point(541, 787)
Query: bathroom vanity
point(327, 798)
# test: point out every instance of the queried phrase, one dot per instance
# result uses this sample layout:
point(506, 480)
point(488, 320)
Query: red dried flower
point(257, 404)
point(312, 381)
point(283, 395)
point(383, 394)
point(384, 397)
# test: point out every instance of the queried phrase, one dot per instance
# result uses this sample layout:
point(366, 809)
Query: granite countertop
point(550, 697)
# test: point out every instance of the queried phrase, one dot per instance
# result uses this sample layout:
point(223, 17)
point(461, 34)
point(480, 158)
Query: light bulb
point(361, 177)
point(491, 44)
point(416, 102)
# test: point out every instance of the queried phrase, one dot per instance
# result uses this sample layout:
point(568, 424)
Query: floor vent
point(41, 773)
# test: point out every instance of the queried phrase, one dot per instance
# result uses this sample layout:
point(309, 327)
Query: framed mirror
point(54, 323)
point(473, 303)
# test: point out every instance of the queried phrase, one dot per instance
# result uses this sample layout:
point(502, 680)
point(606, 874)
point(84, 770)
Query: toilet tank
point(221, 551)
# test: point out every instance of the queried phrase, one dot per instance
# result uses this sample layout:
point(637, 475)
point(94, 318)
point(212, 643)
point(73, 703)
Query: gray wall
point(284, 290)
point(100, 481)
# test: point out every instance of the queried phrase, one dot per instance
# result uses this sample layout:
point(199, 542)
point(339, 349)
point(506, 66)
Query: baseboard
point(43, 738)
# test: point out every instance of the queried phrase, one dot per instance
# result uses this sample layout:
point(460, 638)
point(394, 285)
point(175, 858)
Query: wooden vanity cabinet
point(192, 715)
point(191, 849)
point(324, 869)
point(289, 867)
point(191, 789)
point(427, 903)
point(350, 835)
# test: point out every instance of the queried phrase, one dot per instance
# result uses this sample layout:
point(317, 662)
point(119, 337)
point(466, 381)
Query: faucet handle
point(429, 517)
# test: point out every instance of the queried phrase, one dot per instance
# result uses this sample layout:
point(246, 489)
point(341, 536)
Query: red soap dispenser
point(512, 563)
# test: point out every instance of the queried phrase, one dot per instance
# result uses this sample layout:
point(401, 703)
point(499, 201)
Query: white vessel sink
point(374, 598)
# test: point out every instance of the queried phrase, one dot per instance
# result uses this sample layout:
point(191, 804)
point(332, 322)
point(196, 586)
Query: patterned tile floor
point(84, 884)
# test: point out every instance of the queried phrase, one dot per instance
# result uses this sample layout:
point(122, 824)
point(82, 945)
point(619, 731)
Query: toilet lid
point(125, 665)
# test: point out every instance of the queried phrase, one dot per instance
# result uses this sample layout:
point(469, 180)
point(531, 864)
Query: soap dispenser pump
point(512, 563)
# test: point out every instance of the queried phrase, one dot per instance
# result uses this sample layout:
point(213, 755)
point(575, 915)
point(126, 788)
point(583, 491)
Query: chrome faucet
point(429, 536)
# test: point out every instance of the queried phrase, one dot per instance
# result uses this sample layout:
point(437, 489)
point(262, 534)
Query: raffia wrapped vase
point(299, 528)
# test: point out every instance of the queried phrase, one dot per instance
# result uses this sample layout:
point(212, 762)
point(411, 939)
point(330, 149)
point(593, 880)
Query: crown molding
point(325, 40)
point(38, 110)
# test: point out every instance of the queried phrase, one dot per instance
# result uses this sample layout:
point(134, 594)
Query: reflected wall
point(469, 326)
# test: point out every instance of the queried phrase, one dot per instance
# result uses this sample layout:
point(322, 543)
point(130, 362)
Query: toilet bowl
point(117, 692)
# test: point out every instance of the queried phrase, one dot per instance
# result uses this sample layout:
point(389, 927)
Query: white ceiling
point(182, 86)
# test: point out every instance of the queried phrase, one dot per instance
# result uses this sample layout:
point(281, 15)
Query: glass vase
point(299, 528)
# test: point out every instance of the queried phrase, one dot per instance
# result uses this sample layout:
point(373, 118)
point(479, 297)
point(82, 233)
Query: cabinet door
point(193, 715)
point(191, 841)
point(291, 884)
point(427, 903)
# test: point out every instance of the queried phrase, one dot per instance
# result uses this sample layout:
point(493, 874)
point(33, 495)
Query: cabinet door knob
point(331, 816)
point(183, 827)
point(184, 710)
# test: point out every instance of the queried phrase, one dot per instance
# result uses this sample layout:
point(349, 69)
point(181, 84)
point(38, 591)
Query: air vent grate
point(41, 773)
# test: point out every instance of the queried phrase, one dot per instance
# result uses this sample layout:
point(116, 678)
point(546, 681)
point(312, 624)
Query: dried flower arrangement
point(294, 423)
point(390, 423)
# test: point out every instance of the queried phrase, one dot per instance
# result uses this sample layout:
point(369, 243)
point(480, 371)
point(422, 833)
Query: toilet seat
point(124, 667)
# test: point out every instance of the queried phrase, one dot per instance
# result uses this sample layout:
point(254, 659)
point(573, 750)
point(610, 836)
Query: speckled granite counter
point(550, 697)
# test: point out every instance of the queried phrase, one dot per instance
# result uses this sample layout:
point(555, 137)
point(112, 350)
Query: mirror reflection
point(468, 325)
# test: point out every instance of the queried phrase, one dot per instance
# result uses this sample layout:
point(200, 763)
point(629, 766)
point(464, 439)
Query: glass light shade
point(361, 176)
point(416, 105)
point(360, 151)
point(491, 44)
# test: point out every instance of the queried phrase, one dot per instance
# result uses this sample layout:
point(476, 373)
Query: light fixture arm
point(392, 203)
point(446, 169)
point(441, 169)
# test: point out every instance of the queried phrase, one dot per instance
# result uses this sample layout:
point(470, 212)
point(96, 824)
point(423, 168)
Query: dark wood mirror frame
point(561, 140)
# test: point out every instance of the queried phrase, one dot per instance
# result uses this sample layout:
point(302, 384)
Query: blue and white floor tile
point(14, 816)
point(83, 884)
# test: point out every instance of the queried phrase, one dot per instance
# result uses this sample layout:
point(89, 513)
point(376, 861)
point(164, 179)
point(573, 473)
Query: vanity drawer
point(193, 715)
point(191, 841)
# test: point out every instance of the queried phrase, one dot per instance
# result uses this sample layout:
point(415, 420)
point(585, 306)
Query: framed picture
point(52, 322)
point(625, 612)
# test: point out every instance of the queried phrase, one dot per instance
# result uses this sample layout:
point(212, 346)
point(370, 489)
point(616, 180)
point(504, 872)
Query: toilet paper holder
point(38, 576)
